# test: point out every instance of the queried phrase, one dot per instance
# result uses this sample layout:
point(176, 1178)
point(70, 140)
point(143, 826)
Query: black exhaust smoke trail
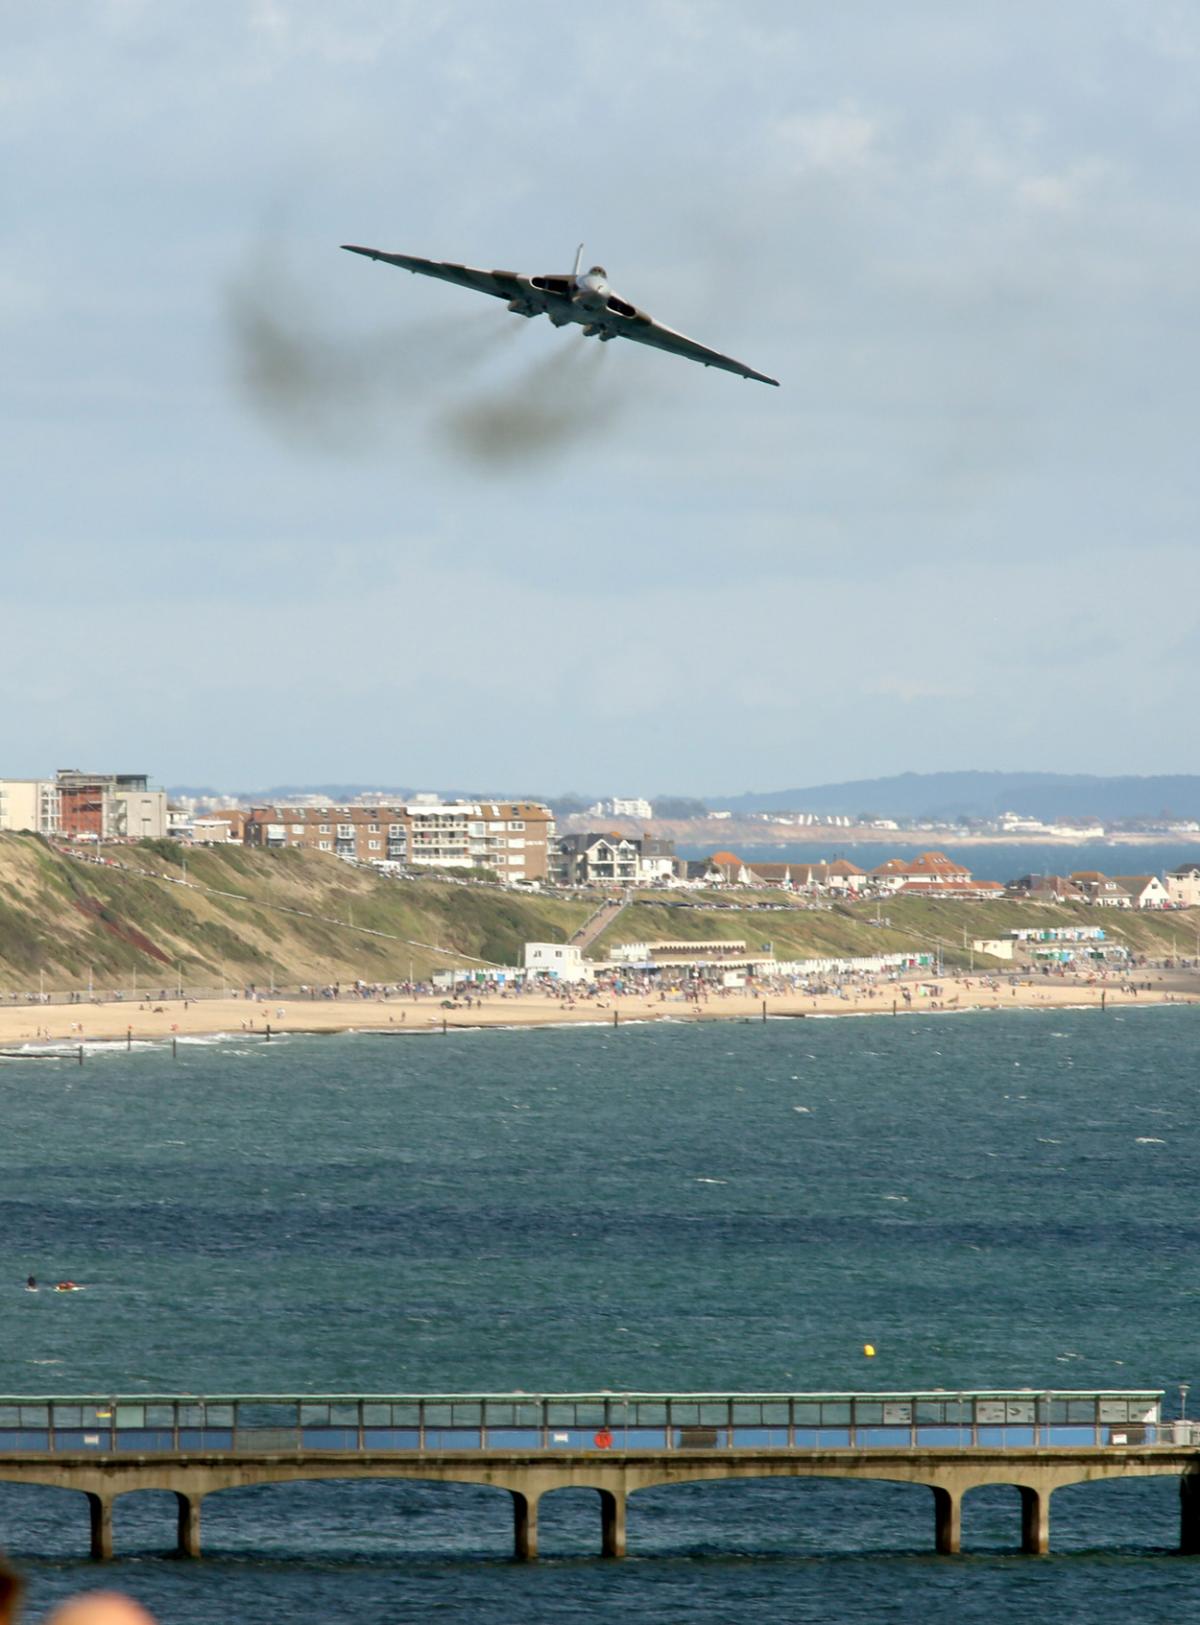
point(348, 394)
point(337, 392)
point(554, 403)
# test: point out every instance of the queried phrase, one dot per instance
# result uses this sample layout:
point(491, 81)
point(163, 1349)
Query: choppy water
point(988, 1199)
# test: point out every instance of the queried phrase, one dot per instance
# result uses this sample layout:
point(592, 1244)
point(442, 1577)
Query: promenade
point(615, 1444)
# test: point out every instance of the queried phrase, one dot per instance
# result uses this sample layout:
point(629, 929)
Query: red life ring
point(603, 1440)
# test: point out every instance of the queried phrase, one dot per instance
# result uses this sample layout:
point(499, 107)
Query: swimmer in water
point(31, 1283)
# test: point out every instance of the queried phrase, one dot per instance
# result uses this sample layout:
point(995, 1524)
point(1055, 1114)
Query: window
point(297, 829)
point(373, 829)
point(374, 845)
point(517, 823)
point(324, 829)
point(345, 832)
point(324, 846)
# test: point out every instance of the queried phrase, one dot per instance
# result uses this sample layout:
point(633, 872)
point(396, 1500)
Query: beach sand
point(164, 1019)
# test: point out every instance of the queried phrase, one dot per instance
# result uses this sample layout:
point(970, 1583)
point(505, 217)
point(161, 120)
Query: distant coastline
point(704, 835)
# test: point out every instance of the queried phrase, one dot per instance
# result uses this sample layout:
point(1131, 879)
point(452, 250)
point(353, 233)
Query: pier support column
point(947, 1520)
point(1035, 1521)
point(100, 1511)
point(525, 1539)
point(612, 1523)
point(188, 1544)
point(1189, 1513)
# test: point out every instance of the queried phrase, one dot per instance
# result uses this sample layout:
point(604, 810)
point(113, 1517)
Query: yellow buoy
point(869, 1350)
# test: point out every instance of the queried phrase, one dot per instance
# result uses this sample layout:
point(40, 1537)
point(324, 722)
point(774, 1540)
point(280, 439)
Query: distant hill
point(984, 795)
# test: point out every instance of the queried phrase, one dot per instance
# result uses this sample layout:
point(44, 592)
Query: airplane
point(585, 299)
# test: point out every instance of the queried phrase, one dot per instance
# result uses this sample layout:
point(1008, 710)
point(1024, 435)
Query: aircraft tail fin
point(578, 260)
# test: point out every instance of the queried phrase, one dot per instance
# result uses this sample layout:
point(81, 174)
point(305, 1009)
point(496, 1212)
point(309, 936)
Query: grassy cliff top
point(244, 915)
point(235, 915)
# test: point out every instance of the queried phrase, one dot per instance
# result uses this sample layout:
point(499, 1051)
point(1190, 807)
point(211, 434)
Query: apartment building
point(599, 859)
point(29, 804)
point(603, 860)
point(510, 837)
point(85, 806)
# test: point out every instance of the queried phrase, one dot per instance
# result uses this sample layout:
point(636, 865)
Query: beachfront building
point(1048, 889)
point(511, 838)
point(933, 874)
point(597, 860)
point(29, 804)
point(219, 825)
point(109, 806)
point(1183, 886)
point(561, 961)
point(726, 868)
point(841, 876)
point(657, 863)
point(709, 960)
point(1101, 890)
point(1146, 891)
point(85, 806)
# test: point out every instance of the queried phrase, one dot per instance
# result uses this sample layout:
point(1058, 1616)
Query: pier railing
point(177, 1424)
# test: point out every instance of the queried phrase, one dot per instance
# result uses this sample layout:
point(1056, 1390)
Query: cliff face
point(235, 916)
point(136, 916)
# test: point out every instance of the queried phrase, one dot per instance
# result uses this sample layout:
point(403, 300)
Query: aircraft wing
point(501, 284)
point(644, 329)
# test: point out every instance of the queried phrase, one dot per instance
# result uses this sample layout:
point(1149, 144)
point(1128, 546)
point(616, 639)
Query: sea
point(985, 1199)
point(988, 860)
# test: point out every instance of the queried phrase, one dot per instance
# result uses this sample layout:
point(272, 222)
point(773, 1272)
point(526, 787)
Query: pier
point(613, 1443)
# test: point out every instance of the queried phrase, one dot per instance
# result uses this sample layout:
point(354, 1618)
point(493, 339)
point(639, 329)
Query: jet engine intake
point(523, 307)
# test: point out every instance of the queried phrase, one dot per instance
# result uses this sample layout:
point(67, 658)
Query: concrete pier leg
point(947, 1520)
point(188, 1544)
point(525, 1539)
point(100, 1510)
point(1189, 1513)
point(612, 1523)
point(1035, 1521)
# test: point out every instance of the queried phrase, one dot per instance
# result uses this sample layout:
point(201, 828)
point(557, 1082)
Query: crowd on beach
point(646, 994)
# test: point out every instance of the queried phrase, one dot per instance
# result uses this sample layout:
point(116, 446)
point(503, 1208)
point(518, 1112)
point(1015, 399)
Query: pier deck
point(615, 1444)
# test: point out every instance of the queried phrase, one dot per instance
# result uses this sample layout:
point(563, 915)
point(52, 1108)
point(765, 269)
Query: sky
point(273, 513)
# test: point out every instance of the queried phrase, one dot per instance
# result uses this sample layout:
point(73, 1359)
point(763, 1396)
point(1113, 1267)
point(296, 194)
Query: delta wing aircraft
point(584, 298)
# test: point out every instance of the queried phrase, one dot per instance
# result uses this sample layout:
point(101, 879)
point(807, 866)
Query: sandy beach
point(164, 1019)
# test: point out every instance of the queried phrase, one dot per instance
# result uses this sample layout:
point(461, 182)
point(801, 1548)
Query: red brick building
point(512, 838)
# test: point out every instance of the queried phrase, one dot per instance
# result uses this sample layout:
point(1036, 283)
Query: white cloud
point(835, 141)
